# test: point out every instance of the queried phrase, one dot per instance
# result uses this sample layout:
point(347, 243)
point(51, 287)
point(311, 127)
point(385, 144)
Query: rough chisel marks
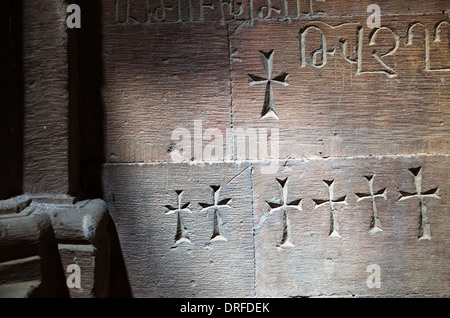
point(282, 206)
point(182, 233)
point(375, 224)
point(334, 223)
point(216, 207)
point(269, 108)
point(424, 225)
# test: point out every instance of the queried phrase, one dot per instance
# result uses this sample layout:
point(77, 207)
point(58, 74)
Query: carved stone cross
point(269, 108)
point(334, 223)
point(182, 233)
point(375, 224)
point(216, 206)
point(424, 227)
point(282, 206)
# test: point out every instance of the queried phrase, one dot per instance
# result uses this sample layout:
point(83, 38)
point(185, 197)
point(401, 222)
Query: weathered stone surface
point(20, 290)
point(303, 257)
point(176, 11)
point(391, 100)
point(372, 101)
point(21, 270)
point(46, 98)
point(38, 240)
point(159, 80)
point(32, 232)
point(83, 222)
point(348, 106)
point(174, 244)
point(83, 239)
point(14, 205)
point(29, 259)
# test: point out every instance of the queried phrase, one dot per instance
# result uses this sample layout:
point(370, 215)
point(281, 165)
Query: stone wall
point(253, 148)
point(278, 148)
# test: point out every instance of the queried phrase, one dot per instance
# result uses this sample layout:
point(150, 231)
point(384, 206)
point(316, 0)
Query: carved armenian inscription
point(131, 12)
point(318, 58)
point(431, 38)
point(176, 11)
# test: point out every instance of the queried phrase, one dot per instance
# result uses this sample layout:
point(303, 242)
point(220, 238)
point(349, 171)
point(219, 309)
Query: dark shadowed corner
point(11, 97)
point(90, 106)
point(86, 68)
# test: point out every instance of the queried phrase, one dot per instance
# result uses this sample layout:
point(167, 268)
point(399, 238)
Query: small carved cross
point(269, 109)
point(424, 227)
point(216, 206)
point(182, 233)
point(375, 224)
point(282, 206)
point(334, 223)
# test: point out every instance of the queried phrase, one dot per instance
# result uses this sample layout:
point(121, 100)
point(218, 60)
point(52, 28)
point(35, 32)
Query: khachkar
point(292, 145)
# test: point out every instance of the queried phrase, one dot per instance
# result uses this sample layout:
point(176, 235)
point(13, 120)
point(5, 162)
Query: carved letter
point(160, 13)
point(311, 8)
point(203, 6)
point(128, 18)
point(390, 72)
point(344, 47)
point(269, 9)
point(313, 56)
point(409, 41)
point(437, 38)
point(230, 8)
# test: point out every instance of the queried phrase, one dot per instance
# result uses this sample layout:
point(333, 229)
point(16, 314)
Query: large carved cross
point(334, 223)
point(182, 233)
point(216, 206)
point(283, 206)
point(424, 226)
point(375, 224)
point(269, 108)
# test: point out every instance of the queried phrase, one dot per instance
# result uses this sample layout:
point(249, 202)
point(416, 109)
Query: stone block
point(348, 101)
point(83, 239)
point(320, 224)
point(29, 261)
point(185, 230)
point(159, 82)
point(41, 235)
point(21, 270)
point(46, 98)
